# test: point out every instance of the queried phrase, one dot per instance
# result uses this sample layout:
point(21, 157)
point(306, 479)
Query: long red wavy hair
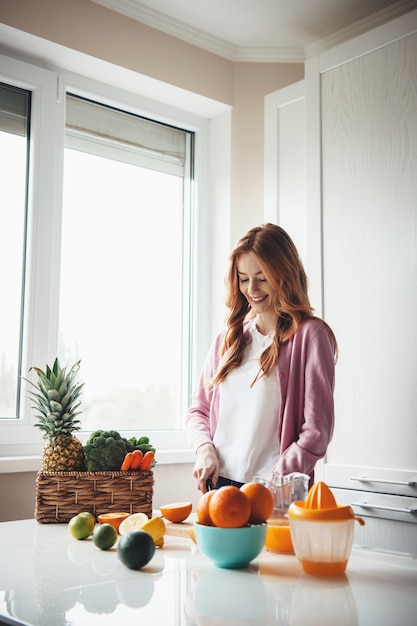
point(282, 267)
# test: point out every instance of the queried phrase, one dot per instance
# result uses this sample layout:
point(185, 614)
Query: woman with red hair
point(264, 400)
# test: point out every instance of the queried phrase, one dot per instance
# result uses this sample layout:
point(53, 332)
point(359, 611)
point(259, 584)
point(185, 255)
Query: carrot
point(127, 462)
point(137, 456)
point(146, 462)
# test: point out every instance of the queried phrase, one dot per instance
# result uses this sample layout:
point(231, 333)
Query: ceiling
point(262, 30)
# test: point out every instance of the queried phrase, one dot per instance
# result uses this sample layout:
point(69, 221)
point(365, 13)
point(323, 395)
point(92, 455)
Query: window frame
point(19, 437)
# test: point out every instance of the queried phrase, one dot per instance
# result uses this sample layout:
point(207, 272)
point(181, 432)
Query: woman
point(264, 400)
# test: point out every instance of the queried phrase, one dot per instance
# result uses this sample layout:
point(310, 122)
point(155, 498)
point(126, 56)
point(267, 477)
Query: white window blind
point(126, 137)
point(14, 107)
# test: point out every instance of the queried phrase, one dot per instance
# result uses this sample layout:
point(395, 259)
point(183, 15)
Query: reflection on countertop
point(47, 578)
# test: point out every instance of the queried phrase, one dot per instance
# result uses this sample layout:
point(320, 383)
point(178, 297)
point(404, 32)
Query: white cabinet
point(361, 232)
point(369, 209)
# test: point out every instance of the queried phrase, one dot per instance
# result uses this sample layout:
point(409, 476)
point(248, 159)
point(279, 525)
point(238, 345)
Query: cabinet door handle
point(385, 481)
point(395, 509)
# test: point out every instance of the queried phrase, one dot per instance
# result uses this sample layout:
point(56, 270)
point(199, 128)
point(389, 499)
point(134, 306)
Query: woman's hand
point(206, 466)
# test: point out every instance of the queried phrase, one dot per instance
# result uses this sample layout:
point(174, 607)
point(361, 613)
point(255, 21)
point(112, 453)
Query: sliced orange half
point(176, 512)
point(115, 519)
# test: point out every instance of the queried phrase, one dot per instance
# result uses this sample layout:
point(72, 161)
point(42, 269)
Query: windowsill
point(16, 464)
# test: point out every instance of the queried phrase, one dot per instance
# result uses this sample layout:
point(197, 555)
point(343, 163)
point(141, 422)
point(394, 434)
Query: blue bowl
point(230, 548)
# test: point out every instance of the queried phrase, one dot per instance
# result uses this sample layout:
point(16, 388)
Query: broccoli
point(105, 451)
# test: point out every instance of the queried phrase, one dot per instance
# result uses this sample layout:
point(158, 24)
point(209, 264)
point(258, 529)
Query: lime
point(104, 536)
point(88, 515)
point(82, 525)
point(135, 549)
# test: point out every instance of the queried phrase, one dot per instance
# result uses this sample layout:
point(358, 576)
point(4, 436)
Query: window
point(126, 237)
point(125, 271)
point(14, 136)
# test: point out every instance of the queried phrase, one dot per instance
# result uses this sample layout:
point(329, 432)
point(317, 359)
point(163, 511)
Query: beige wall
point(251, 82)
point(94, 30)
point(17, 496)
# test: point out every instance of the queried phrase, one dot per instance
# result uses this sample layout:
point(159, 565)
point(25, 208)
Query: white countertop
point(47, 578)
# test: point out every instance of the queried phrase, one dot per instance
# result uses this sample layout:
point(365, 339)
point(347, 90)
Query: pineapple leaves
point(53, 395)
point(56, 407)
point(56, 399)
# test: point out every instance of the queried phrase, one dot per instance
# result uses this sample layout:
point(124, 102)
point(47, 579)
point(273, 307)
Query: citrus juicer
point(322, 532)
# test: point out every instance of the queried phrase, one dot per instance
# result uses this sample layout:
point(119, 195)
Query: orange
point(229, 507)
point(202, 509)
point(261, 502)
point(176, 512)
point(114, 519)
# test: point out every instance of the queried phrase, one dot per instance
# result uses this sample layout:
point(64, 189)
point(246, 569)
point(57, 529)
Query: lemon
point(135, 548)
point(140, 521)
point(134, 521)
point(155, 527)
point(105, 536)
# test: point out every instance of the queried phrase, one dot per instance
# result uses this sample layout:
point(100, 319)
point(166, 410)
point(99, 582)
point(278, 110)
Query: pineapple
point(56, 399)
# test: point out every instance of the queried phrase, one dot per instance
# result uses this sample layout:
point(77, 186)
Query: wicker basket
point(61, 495)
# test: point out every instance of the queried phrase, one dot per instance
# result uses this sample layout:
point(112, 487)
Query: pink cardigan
point(306, 371)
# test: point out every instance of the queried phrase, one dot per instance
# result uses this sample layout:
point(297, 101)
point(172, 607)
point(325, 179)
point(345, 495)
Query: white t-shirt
point(246, 438)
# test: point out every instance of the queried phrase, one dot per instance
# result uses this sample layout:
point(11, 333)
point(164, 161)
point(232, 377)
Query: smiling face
point(256, 289)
